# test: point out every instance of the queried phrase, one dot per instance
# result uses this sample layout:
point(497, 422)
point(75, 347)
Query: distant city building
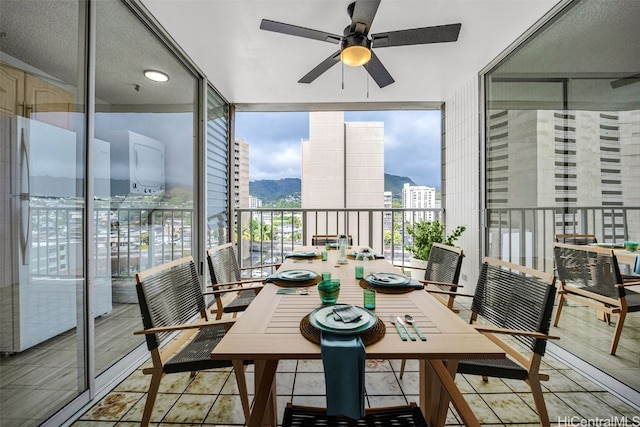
point(254, 202)
point(342, 167)
point(388, 204)
point(418, 197)
point(241, 174)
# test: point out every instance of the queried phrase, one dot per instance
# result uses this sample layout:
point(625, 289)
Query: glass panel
point(144, 188)
point(563, 157)
point(42, 291)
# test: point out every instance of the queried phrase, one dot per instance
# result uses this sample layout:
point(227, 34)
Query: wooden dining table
point(269, 331)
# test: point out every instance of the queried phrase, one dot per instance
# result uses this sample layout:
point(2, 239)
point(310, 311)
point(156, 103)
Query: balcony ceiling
point(251, 67)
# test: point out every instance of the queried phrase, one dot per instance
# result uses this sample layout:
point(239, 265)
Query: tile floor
point(211, 399)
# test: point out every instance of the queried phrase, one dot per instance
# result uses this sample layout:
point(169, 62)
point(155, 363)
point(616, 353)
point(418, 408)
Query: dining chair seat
point(241, 301)
point(501, 368)
point(305, 416)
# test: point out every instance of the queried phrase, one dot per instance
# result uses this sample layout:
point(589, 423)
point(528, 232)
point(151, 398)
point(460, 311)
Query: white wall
point(462, 175)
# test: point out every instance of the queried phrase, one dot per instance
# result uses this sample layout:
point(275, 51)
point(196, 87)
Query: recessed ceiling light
point(156, 76)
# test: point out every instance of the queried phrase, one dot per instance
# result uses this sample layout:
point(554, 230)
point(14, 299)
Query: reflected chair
point(591, 276)
point(226, 276)
point(512, 305)
point(174, 317)
point(306, 416)
point(576, 239)
point(441, 277)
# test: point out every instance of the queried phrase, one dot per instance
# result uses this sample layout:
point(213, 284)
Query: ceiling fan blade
point(634, 78)
point(294, 30)
point(378, 72)
point(436, 34)
point(321, 68)
point(363, 13)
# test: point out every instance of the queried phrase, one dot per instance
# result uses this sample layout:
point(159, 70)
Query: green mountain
point(273, 191)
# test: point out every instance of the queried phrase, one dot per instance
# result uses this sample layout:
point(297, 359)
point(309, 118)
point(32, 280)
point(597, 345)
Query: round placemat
point(386, 290)
point(370, 336)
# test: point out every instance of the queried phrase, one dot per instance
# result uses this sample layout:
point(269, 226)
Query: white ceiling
point(252, 67)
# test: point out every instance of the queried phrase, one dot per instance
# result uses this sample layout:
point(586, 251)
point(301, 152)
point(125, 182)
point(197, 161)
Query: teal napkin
point(343, 357)
point(636, 269)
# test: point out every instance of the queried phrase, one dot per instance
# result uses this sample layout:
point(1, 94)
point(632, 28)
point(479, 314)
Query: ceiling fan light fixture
point(156, 76)
point(356, 50)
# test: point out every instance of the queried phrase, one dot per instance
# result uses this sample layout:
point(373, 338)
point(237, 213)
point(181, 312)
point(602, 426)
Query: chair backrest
point(591, 268)
point(223, 264)
point(169, 294)
point(515, 297)
point(576, 239)
point(444, 264)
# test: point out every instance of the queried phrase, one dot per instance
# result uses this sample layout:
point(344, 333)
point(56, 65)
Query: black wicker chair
point(591, 276)
point(226, 275)
point(400, 416)
point(441, 277)
point(516, 301)
point(172, 306)
point(576, 239)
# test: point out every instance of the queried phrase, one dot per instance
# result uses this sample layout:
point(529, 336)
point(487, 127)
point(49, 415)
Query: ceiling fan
point(356, 45)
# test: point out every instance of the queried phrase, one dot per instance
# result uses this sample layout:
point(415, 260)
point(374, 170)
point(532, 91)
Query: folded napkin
point(346, 313)
point(343, 357)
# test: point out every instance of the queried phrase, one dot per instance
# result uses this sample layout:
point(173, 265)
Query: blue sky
point(412, 143)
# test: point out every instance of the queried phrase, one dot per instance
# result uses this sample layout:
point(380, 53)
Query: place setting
point(390, 283)
point(342, 319)
point(304, 255)
point(294, 278)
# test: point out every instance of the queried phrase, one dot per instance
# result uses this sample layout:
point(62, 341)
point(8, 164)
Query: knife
point(403, 337)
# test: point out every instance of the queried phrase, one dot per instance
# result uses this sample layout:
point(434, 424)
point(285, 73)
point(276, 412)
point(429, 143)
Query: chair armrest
point(260, 266)
point(632, 283)
point(409, 267)
point(237, 283)
point(433, 282)
point(224, 291)
point(497, 330)
point(452, 293)
point(184, 327)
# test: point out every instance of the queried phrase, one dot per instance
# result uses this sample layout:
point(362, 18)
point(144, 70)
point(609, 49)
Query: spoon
point(401, 322)
point(412, 322)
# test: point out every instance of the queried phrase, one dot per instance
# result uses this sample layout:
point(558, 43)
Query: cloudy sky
point(411, 140)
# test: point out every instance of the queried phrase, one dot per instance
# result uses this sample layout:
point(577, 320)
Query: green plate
point(325, 311)
point(388, 279)
point(297, 275)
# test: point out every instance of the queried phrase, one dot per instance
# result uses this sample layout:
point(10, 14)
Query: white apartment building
point(418, 197)
point(342, 167)
point(565, 158)
point(241, 173)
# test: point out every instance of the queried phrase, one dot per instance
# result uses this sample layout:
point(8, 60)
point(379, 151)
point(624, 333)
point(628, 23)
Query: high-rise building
point(564, 159)
point(240, 174)
point(418, 197)
point(342, 167)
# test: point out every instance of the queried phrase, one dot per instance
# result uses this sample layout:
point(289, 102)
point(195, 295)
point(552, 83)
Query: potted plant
point(424, 234)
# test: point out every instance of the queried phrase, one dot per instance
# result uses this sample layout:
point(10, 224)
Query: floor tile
point(190, 408)
point(510, 408)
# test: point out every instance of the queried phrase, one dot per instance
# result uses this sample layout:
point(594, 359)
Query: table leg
point(264, 411)
point(446, 375)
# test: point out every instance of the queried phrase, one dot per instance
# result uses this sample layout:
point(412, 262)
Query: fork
point(394, 320)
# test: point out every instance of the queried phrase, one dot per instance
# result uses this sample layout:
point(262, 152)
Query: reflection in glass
point(563, 156)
